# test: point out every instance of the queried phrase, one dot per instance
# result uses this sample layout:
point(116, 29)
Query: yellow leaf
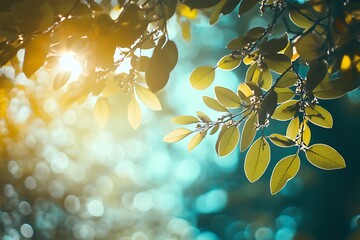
point(35, 53)
point(195, 140)
point(286, 110)
point(306, 134)
point(345, 63)
point(216, 11)
point(281, 140)
point(248, 132)
point(229, 62)
point(102, 112)
point(284, 94)
point(228, 141)
point(177, 135)
point(202, 77)
point(293, 128)
point(257, 159)
point(227, 97)
point(324, 157)
point(134, 113)
point(284, 170)
point(186, 11)
point(203, 117)
point(319, 116)
point(214, 104)
point(244, 91)
point(148, 98)
point(183, 120)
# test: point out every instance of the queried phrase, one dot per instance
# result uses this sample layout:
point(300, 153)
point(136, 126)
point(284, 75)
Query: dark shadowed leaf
point(267, 107)
point(316, 73)
point(246, 5)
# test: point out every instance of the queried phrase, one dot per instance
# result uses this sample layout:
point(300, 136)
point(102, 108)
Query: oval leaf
point(134, 113)
point(283, 171)
point(281, 140)
point(196, 140)
point(286, 110)
point(228, 141)
point(184, 120)
point(177, 135)
point(319, 116)
point(229, 62)
point(227, 97)
point(214, 104)
point(293, 128)
point(324, 157)
point(148, 98)
point(257, 159)
point(101, 112)
point(202, 77)
point(248, 132)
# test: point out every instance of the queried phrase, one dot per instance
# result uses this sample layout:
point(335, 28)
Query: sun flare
point(68, 62)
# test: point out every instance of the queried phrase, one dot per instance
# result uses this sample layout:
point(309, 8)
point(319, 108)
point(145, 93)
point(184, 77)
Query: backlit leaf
point(284, 171)
point(281, 140)
point(203, 117)
point(202, 77)
point(228, 141)
point(216, 11)
point(35, 53)
point(215, 129)
point(267, 80)
point(293, 128)
point(284, 94)
point(310, 46)
point(248, 132)
point(102, 112)
point(148, 98)
point(286, 110)
point(257, 159)
point(287, 80)
point(324, 157)
point(214, 104)
point(177, 135)
point(186, 30)
point(319, 116)
point(229, 62)
point(244, 91)
point(134, 113)
point(184, 120)
point(227, 97)
point(195, 140)
point(278, 62)
point(330, 89)
point(306, 137)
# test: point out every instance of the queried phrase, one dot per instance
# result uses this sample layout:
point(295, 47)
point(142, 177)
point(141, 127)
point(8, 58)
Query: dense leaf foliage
point(316, 57)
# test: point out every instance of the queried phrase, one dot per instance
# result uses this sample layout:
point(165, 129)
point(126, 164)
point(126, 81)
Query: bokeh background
point(64, 178)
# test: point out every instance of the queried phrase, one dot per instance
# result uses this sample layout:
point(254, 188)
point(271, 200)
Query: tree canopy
point(307, 51)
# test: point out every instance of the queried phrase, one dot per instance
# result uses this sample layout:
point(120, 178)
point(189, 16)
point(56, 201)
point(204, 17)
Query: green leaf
point(267, 80)
point(257, 159)
point(236, 43)
point(35, 53)
point(286, 110)
point(184, 120)
point(287, 80)
point(227, 97)
point(134, 113)
point(246, 5)
point(203, 117)
point(274, 45)
point(228, 141)
point(248, 132)
point(202, 77)
point(319, 116)
point(284, 170)
point(229, 62)
point(310, 46)
point(317, 72)
point(214, 104)
point(279, 63)
point(293, 128)
point(281, 140)
point(254, 34)
point(324, 157)
point(330, 89)
point(148, 98)
point(216, 11)
point(284, 94)
point(177, 135)
point(300, 20)
point(101, 112)
point(196, 140)
point(61, 78)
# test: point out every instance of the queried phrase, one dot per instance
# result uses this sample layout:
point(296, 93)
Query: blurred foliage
point(61, 179)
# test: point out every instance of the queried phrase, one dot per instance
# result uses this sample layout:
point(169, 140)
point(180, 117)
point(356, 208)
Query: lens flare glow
point(68, 62)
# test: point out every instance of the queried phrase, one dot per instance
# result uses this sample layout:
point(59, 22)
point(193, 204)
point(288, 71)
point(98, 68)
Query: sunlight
point(68, 62)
